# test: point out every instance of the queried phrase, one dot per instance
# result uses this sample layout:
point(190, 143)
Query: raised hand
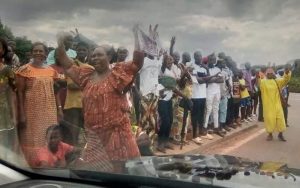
point(287, 68)
point(61, 54)
point(155, 28)
point(173, 40)
point(150, 29)
point(135, 28)
point(60, 37)
point(136, 40)
point(153, 33)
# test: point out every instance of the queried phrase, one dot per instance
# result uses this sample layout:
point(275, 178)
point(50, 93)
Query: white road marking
point(241, 142)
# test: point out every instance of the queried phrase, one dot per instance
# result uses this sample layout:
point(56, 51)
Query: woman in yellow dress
point(272, 106)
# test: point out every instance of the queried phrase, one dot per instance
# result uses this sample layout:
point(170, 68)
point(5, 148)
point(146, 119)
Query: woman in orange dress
point(37, 101)
point(107, 124)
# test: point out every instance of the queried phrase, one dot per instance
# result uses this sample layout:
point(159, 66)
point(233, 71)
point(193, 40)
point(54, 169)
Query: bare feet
point(270, 137)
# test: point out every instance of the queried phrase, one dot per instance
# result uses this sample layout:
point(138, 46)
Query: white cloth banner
point(147, 44)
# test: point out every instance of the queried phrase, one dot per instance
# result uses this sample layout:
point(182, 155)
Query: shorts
point(245, 102)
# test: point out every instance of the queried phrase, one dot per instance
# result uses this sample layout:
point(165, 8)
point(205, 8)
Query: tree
point(296, 67)
point(23, 45)
point(5, 32)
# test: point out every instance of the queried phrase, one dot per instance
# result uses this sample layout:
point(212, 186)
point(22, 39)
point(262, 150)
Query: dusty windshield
point(96, 85)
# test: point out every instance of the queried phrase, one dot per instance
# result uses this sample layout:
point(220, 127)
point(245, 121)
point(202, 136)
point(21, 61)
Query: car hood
point(220, 170)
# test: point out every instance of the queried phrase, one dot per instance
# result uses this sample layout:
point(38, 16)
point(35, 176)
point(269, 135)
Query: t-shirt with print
point(244, 93)
point(236, 90)
point(213, 88)
point(198, 90)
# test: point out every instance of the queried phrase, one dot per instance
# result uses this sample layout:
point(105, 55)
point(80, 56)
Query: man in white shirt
point(213, 97)
point(199, 79)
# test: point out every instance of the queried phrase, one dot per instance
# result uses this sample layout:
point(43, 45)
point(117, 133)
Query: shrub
point(294, 84)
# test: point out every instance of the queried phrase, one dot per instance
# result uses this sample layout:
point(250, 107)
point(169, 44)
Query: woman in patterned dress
point(37, 101)
point(8, 134)
point(110, 141)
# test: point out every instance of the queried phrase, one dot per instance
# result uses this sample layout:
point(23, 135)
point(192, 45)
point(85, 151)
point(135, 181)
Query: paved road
point(253, 145)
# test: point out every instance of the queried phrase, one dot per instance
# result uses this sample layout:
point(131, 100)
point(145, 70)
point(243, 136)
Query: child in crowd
point(245, 99)
point(55, 153)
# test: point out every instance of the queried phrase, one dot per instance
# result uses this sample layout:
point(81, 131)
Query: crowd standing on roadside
point(103, 110)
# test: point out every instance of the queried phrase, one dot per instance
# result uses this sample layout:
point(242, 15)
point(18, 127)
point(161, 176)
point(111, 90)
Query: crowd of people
point(56, 99)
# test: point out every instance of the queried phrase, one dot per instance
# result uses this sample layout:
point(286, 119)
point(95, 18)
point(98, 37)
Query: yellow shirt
point(244, 93)
point(74, 97)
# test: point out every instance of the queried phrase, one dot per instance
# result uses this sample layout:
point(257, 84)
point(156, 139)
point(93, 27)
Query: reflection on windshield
point(210, 169)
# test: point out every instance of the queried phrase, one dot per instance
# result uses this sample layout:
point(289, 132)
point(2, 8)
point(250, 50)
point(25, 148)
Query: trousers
point(223, 109)
point(165, 111)
point(197, 115)
point(212, 106)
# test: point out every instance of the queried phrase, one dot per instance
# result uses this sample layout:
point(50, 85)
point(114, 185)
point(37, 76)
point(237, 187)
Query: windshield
point(123, 86)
